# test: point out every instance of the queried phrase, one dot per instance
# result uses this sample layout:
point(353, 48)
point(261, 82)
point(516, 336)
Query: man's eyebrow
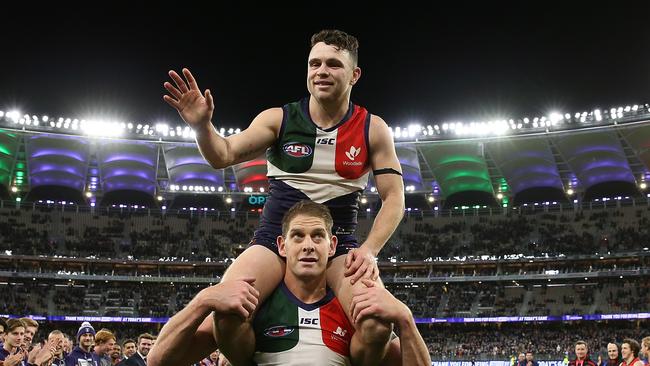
point(331, 59)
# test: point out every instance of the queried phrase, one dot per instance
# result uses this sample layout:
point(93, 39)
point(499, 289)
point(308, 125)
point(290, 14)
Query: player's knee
point(374, 331)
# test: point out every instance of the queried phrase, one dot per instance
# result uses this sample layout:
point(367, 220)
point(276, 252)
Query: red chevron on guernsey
point(352, 159)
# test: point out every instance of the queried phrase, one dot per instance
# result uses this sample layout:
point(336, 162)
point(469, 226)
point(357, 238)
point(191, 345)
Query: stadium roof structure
point(560, 158)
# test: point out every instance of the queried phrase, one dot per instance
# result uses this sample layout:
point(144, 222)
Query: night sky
point(468, 62)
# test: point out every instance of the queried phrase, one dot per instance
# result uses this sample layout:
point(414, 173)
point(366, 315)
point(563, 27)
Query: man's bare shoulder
point(269, 118)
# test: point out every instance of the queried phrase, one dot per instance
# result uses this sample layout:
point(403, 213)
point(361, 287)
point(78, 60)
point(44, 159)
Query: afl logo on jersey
point(297, 149)
point(279, 331)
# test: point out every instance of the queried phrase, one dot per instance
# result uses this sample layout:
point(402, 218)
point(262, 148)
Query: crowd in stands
point(546, 340)
point(426, 300)
point(503, 341)
point(43, 231)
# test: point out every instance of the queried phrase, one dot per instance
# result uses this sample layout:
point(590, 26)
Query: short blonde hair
point(29, 322)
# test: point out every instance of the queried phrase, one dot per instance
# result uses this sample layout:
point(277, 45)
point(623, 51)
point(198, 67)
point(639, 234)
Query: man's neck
point(306, 290)
point(629, 359)
point(9, 348)
point(87, 350)
point(327, 115)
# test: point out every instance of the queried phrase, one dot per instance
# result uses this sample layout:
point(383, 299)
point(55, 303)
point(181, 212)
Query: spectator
point(630, 352)
point(31, 328)
point(116, 354)
point(11, 353)
point(582, 355)
point(82, 354)
point(104, 343)
point(530, 361)
point(129, 348)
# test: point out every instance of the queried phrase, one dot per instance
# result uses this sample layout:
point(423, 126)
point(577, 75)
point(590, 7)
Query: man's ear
point(281, 246)
point(356, 74)
point(333, 242)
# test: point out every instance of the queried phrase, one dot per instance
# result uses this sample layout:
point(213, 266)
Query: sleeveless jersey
point(631, 363)
point(326, 166)
point(290, 332)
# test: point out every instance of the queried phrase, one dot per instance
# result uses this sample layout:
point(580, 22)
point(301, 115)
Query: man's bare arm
point(360, 262)
point(196, 109)
point(390, 186)
point(221, 152)
point(376, 301)
point(188, 336)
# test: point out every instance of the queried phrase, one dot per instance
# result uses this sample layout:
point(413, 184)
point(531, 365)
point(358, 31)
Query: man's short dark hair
point(634, 346)
point(340, 40)
point(308, 208)
point(128, 341)
point(583, 343)
point(144, 336)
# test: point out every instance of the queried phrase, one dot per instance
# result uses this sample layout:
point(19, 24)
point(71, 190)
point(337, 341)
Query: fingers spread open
point(190, 79)
point(172, 90)
point(180, 83)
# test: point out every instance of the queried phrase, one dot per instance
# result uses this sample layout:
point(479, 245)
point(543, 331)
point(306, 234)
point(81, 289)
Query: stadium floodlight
point(569, 191)
point(414, 129)
point(89, 194)
point(431, 199)
point(643, 185)
point(160, 198)
point(500, 196)
point(14, 189)
point(555, 117)
point(597, 115)
point(13, 115)
point(228, 200)
point(262, 189)
point(364, 200)
point(220, 189)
